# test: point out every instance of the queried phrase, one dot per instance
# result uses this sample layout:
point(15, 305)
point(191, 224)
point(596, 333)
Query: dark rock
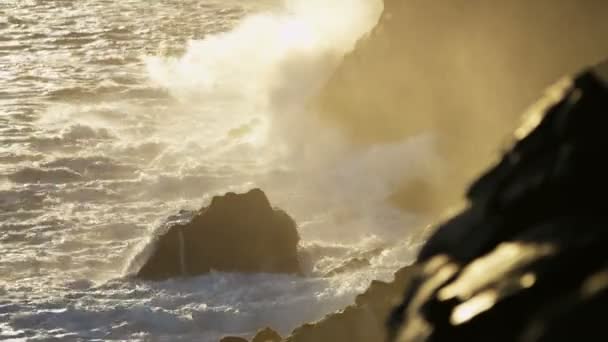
point(235, 233)
point(267, 335)
point(233, 339)
point(527, 260)
point(364, 321)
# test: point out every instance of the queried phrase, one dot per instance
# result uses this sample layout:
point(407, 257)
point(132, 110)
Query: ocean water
point(115, 115)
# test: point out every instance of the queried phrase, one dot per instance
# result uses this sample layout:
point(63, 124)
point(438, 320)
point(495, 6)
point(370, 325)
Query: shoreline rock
point(235, 233)
point(366, 98)
point(527, 260)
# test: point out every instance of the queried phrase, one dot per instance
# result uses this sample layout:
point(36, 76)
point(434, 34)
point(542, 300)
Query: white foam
point(239, 118)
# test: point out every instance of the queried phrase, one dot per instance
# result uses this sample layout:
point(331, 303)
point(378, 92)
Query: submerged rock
point(233, 339)
point(235, 233)
point(267, 335)
point(527, 260)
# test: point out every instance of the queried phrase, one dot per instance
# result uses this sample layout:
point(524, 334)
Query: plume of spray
point(245, 63)
point(259, 79)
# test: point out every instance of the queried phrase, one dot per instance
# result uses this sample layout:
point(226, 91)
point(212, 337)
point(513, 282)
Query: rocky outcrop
point(235, 233)
point(364, 321)
point(527, 260)
point(456, 69)
point(267, 335)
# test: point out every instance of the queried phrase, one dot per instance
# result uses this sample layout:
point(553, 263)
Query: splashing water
point(100, 145)
point(263, 76)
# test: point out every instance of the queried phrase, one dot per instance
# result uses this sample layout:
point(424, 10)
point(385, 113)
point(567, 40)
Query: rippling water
point(110, 121)
point(79, 127)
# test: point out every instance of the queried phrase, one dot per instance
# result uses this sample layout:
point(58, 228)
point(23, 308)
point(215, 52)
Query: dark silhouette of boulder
point(528, 259)
point(267, 335)
point(235, 233)
point(233, 339)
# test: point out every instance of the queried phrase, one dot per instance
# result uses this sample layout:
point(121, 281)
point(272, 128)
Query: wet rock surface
point(527, 260)
point(235, 233)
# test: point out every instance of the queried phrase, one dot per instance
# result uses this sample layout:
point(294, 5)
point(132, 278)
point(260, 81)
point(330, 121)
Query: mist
point(463, 70)
point(360, 121)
